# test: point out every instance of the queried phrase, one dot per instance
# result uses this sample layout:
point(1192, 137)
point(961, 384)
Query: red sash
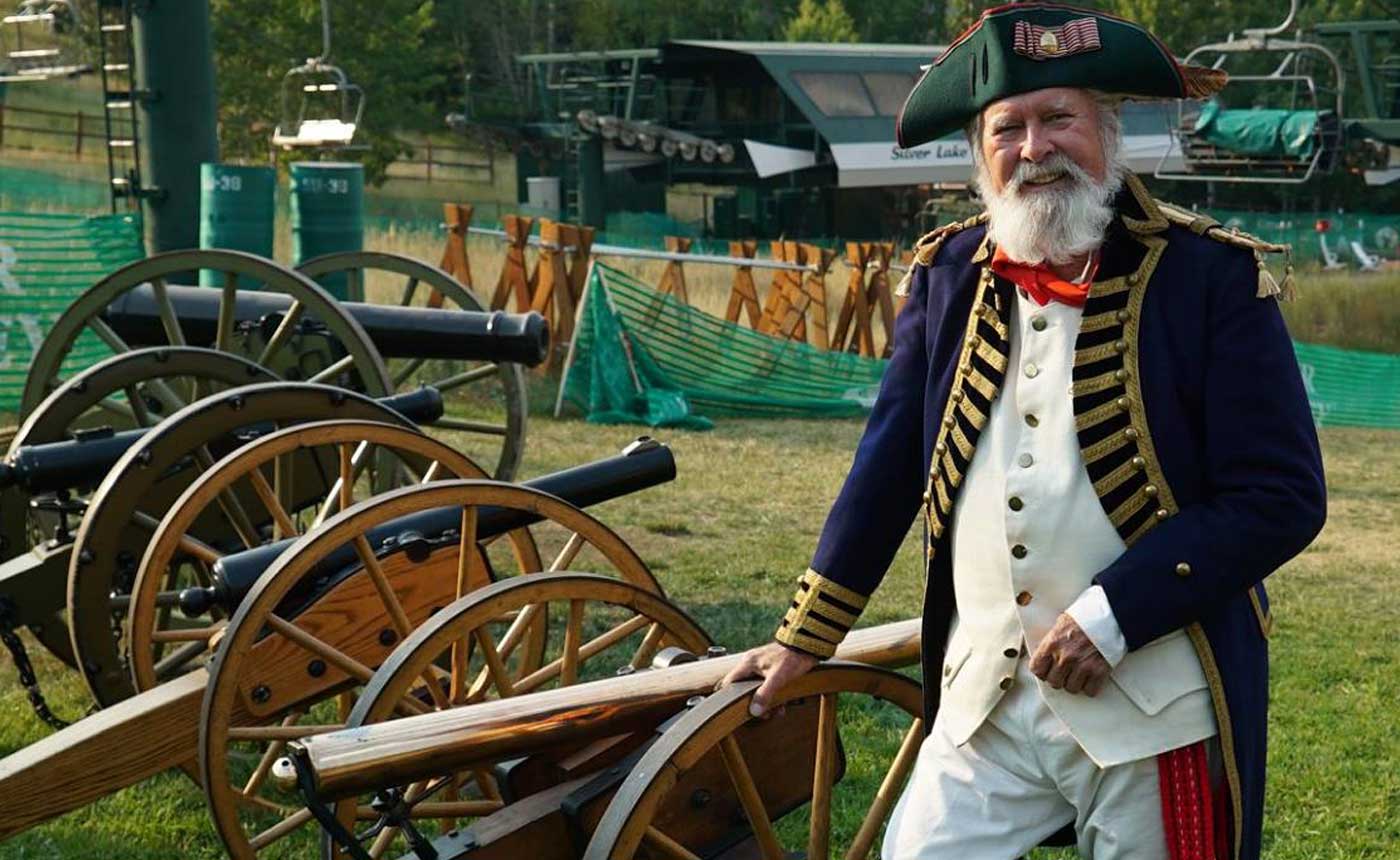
point(1193, 824)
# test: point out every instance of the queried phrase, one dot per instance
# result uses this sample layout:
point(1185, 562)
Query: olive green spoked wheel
point(125, 509)
point(597, 626)
point(314, 338)
point(487, 402)
point(367, 457)
point(365, 581)
point(125, 392)
point(820, 778)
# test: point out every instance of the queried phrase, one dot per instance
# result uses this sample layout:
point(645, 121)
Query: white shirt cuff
point(1095, 617)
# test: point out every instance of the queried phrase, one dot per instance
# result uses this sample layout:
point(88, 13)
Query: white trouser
point(1019, 779)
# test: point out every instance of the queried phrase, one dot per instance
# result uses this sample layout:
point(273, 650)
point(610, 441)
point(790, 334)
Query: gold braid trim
point(821, 615)
point(927, 248)
point(1204, 225)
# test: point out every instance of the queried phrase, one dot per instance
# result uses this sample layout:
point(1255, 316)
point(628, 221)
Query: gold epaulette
point(1204, 225)
point(927, 248)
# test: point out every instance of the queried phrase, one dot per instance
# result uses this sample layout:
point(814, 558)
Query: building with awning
point(788, 138)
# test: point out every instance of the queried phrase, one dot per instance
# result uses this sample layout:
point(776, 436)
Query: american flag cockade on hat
point(1046, 43)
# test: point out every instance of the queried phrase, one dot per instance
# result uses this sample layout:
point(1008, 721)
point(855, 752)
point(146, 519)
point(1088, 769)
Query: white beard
point(1054, 224)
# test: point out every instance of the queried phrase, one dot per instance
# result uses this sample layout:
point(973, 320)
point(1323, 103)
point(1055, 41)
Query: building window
point(889, 90)
point(836, 94)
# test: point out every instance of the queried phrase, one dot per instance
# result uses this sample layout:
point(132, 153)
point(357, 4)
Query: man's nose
point(1036, 146)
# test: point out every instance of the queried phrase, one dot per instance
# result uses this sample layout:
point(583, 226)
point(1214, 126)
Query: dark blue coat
point(1195, 430)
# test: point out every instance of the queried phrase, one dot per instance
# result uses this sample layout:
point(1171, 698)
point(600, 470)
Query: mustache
point(1055, 166)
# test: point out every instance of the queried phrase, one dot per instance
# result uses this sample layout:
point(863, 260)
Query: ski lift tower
point(157, 72)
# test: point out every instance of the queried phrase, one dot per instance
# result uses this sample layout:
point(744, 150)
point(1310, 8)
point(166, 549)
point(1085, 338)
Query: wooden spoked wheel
point(789, 794)
point(162, 642)
point(138, 491)
point(287, 667)
point(360, 365)
point(597, 626)
point(125, 392)
point(486, 402)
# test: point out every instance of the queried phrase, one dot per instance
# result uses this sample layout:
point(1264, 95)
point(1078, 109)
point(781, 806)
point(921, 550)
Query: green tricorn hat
point(1021, 47)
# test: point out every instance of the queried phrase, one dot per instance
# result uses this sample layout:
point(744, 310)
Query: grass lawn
point(731, 534)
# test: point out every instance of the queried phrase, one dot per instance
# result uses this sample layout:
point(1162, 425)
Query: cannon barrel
point(396, 331)
point(642, 464)
point(83, 461)
point(350, 761)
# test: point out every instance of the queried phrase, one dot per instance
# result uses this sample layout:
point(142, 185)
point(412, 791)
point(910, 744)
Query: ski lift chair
point(1281, 146)
point(314, 84)
point(41, 40)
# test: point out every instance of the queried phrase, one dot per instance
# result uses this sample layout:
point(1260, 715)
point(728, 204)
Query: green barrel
point(236, 210)
point(328, 215)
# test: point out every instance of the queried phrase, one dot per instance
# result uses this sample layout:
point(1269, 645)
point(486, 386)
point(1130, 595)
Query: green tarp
point(46, 261)
point(644, 358)
point(1258, 131)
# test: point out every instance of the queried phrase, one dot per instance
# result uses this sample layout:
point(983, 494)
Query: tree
point(828, 22)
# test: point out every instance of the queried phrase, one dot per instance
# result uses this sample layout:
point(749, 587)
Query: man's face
point(1037, 125)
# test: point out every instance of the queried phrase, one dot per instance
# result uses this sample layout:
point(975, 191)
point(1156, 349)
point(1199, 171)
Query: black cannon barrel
point(82, 462)
point(396, 331)
point(642, 464)
point(75, 464)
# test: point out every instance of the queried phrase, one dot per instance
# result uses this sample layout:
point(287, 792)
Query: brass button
point(947, 670)
point(1139, 463)
point(1025, 461)
point(1120, 345)
point(1031, 420)
point(974, 341)
point(950, 421)
point(1132, 279)
point(1006, 683)
point(1163, 513)
point(1124, 403)
point(1023, 598)
point(958, 396)
point(1019, 550)
point(1038, 323)
point(966, 368)
point(1015, 503)
point(1130, 433)
point(1183, 569)
point(1150, 491)
point(1124, 316)
point(928, 497)
point(941, 448)
point(1120, 375)
point(1031, 370)
point(1011, 653)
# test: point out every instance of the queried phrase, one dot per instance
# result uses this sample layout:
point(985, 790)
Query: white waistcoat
point(1028, 535)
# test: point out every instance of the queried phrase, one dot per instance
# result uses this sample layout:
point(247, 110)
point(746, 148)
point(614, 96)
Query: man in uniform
point(1094, 404)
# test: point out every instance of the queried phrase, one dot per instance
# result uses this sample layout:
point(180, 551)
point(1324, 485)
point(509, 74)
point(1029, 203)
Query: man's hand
point(1068, 660)
point(776, 664)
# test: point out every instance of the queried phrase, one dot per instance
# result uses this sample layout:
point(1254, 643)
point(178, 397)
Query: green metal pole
point(593, 209)
point(177, 118)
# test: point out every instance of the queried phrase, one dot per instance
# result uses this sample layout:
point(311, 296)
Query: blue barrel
point(236, 210)
point(328, 215)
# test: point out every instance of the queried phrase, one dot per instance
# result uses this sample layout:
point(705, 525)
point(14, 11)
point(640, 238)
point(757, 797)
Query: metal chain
point(20, 655)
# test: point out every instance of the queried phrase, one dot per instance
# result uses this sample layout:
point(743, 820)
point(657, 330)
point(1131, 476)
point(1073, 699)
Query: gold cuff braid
point(820, 616)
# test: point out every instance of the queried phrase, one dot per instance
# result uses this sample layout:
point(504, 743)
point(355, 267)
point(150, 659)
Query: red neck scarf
point(1041, 283)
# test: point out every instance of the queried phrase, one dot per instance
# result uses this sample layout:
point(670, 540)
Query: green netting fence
point(643, 358)
point(46, 261)
point(646, 358)
point(1349, 388)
